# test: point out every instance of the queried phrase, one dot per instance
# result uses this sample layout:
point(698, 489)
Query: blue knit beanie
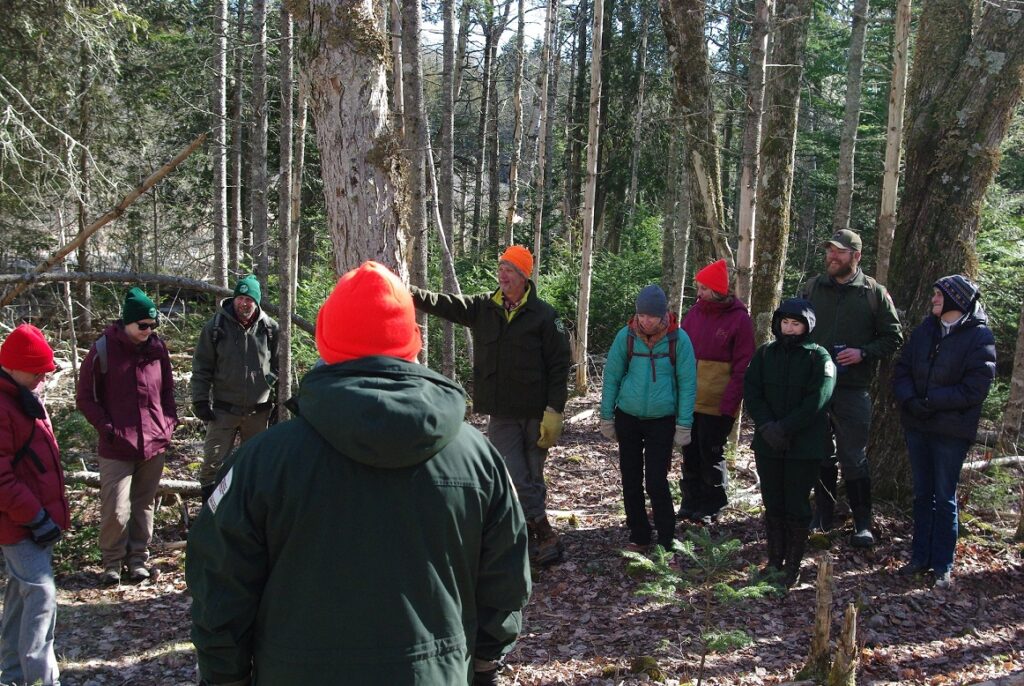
point(653, 301)
point(958, 293)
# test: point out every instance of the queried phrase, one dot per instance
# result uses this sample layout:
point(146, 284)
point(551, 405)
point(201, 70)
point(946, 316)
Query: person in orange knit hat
point(378, 510)
point(520, 371)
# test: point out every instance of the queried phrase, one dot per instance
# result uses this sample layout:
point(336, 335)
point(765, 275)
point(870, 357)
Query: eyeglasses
point(146, 326)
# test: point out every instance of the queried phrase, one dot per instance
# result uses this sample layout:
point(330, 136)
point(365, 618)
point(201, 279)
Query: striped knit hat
point(958, 293)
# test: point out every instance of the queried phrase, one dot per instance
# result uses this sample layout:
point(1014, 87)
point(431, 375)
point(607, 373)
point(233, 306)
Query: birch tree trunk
point(677, 230)
point(683, 21)
point(540, 186)
point(508, 235)
point(460, 48)
point(219, 143)
point(775, 176)
point(482, 138)
point(84, 290)
point(638, 121)
point(750, 155)
point(286, 240)
point(848, 140)
point(893, 140)
point(446, 190)
point(237, 145)
point(415, 147)
point(344, 58)
point(575, 138)
point(1009, 433)
point(493, 143)
point(583, 310)
point(965, 86)
point(258, 144)
point(298, 162)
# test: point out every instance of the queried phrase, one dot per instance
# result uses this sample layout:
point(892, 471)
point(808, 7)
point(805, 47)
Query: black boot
point(859, 493)
point(775, 537)
point(825, 497)
point(688, 499)
point(796, 545)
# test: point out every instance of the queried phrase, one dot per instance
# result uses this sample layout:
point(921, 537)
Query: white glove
point(682, 436)
point(607, 429)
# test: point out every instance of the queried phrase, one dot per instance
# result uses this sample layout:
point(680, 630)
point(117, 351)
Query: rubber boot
point(549, 548)
point(775, 537)
point(796, 545)
point(859, 493)
point(825, 498)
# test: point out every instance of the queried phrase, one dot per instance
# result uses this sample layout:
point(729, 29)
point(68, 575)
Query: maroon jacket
point(723, 343)
point(37, 480)
point(132, 405)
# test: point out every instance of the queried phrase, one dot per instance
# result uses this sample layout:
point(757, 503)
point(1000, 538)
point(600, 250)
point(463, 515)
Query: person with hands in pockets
point(33, 511)
point(786, 390)
point(647, 399)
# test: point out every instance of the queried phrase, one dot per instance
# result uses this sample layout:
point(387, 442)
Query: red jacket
point(36, 480)
point(723, 343)
point(132, 405)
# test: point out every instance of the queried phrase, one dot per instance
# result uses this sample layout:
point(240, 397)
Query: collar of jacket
point(528, 297)
point(859, 280)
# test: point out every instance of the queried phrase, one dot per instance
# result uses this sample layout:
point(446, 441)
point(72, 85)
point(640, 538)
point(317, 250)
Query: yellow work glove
point(550, 429)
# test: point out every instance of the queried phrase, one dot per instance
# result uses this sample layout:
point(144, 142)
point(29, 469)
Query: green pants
point(220, 438)
point(786, 487)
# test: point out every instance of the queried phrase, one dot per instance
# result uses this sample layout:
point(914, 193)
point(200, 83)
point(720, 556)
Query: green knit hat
point(248, 285)
point(137, 306)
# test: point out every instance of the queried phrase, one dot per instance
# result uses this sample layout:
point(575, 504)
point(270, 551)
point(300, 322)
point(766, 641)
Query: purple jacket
point(132, 405)
point(723, 342)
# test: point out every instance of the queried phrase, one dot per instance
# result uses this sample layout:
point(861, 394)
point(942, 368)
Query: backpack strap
point(218, 329)
point(100, 363)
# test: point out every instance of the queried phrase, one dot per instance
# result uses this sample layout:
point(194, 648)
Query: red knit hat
point(26, 350)
point(715, 276)
point(369, 312)
point(520, 258)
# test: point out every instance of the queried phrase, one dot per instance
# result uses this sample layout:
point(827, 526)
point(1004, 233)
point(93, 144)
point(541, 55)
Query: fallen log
point(166, 487)
point(982, 465)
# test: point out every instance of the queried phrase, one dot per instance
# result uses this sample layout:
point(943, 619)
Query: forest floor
point(585, 623)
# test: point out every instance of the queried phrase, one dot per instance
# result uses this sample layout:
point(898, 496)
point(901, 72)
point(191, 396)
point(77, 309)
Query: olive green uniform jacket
point(857, 314)
point(520, 365)
point(373, 539)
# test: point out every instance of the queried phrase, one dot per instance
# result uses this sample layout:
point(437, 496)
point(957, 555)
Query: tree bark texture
point(851, 117)
point(775, 175)
point(446, 187)
point(844, 668)
point(508, 234)
point(397, 70)
point(750, 155)
point(84, 291)
point(638, 121)
point(540, 185)
point(219, 142)
point(893, 140)
point(344, 58)
point(482, 139)
point(1009, 432)
point(258, 144)
point(965, 86)
point(819, 660)
point(286, 239)
point(235, 193)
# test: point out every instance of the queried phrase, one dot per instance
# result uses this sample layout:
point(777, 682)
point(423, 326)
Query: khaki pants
point(220, 439)
point(127, 500)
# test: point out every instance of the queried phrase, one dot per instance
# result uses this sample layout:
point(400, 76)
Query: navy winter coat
point(951, 374)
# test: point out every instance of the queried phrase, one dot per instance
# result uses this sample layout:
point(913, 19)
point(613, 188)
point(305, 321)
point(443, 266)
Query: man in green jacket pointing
point(375, 538)
point(520, 369)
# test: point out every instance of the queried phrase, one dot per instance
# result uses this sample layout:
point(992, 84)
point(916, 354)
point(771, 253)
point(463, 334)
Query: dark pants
point(645, 455)
point(935, 463)
point(786, 487)
point(849, 415)
point(705, 475)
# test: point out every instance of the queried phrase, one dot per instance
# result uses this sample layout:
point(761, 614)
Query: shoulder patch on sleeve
point(220, 491)
point(830, 368)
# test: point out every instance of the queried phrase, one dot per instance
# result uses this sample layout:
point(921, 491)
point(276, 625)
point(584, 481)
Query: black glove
point(43, 530)
point(774, 435)
point(488, 678)
point(203, 411)
point(919, 409)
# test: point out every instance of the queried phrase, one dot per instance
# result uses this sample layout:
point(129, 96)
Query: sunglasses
point(146, 326)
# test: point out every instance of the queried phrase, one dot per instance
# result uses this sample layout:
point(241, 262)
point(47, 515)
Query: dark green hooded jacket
point(373, 539)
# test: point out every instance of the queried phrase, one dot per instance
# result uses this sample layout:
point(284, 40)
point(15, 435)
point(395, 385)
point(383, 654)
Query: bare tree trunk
point(298, 162)
point(775, 177)
point(1009, 433)
point(583, 310)
point(848, 139)
point(84, 291)
point(540, 185)
point(460, 48)
point(237, 145)
point(638, 121)
point(493, 180)
point(446, 190)
point(482, 138)
point(286, 240)
point(415, 146)
point(677, 222)
point(258, 147)
point(508, 235)
point(751, 147)
point(218, 144)
point(683, 21)
point(576, 127)
point(893, 139)
point(397, 70)
point(344, 62)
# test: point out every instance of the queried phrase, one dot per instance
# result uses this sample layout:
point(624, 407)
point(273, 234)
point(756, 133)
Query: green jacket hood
point(382, 411)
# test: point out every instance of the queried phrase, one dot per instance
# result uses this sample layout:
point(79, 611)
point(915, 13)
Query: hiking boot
point(110, 576)
point(911, 569)
point(796, 545)
point(859, 493)
point(549, 548)
point(687, 501)
point(775, 537)
point(138, 572)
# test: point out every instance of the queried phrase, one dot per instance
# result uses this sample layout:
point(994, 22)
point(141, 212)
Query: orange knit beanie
point(369, 312)
point(520, 258)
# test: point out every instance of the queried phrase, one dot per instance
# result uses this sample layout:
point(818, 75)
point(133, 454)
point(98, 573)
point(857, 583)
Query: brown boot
point(549, 548)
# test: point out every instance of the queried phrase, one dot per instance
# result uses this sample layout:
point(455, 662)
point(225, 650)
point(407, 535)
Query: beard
point(839, 270)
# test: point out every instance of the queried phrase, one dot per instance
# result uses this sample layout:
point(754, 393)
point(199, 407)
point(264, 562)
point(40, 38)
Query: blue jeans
point(935, 463)
point(30, 614)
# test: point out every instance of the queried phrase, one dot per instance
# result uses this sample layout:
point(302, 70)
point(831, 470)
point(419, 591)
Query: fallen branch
point(982, 465)
point(167, 486)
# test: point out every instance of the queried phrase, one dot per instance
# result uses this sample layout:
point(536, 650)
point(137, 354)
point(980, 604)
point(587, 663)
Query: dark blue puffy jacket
point(952, 374)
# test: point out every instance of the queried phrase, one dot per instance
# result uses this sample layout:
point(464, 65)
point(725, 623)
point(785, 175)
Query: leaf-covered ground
point(585, 623)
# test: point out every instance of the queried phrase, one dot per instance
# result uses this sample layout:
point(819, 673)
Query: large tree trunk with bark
point(683, 21)
point(965, 86)
point(258, 144)
point(851, 117)
point(344, 58)
point(775, 176)
point(219, 143)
